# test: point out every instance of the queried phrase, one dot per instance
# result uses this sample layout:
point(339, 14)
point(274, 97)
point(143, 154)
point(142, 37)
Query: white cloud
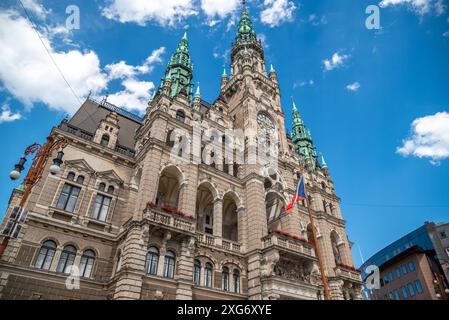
point(29, 75)
point(353, 86)
point(8, 116)
point(135, 96)
point(166, 12)
point(122, 70)
point(446, 34)
point(429, 138)
point(336, 61)
point(277, 12)
point(219, 8)
point(316, 21)
point(299, 84)
point(418, 6)
point(36, 8)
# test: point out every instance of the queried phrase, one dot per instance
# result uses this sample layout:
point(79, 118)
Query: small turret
point(224, 79)
point(273, 75)
point(197, 99)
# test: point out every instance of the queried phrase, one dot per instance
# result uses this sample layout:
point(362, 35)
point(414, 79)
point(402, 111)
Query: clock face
point(266, 125)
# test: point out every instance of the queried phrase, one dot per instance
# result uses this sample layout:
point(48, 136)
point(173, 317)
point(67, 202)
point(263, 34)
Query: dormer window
point(180, 116)
point(104, 140)
point(101, 187)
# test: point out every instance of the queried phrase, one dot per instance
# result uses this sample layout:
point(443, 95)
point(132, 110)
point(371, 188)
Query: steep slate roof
point(90, 114)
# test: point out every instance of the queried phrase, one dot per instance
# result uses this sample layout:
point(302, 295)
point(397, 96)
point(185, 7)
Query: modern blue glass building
point(419, 237)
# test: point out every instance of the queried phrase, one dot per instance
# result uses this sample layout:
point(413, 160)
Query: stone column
point(129, 282)
point(242, 227)
point(256, 216)
point(162, 251)
point(149, 181)
point(336, 289)
point(218, 218)
point(185, 270)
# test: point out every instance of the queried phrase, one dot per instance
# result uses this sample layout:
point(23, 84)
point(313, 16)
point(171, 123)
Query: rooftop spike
point(244, 9)
point(272, 70)
point(224, 72)
point(323, 162)
point(198, 92)
point(184, 37)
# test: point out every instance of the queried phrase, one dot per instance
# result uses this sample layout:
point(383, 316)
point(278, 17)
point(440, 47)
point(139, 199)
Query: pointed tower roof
point(180, 69)
point(323, 162)
point(198, 92)
point(274, 71)
point(245, 31)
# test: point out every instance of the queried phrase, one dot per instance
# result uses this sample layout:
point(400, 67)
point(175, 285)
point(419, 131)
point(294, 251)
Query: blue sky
point(376, 101)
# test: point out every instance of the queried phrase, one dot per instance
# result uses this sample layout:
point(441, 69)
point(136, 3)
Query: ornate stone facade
point(139, 225)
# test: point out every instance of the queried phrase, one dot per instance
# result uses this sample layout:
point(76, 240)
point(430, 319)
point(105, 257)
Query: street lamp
point(15, 174)
point(55, 168)
point(43, 153)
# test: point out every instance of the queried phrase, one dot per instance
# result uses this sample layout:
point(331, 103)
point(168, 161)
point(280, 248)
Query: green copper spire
point(323, 162)
point(198, 93)
point(274, 71)
point(302, 138)
point(180, 69)
point(224, 72)
point(245, 33)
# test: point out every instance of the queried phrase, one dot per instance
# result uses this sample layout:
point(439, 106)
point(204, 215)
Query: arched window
point(152, 261)
point(225, 279)
point(111, 189)
point(71, 176)
point(80, 180)
point(101, 187)
point(169, 265)
point(331, 208)
point(66, 260)
point(45, 256)
point(323, 186)
point(325, 206)
point(336, 243)
point(180, 116)
point(168, 141)
point(208, 275)
point(197, 272)
point(119, 262)
point(87, 263)
point(236, 278)
point(104, 140)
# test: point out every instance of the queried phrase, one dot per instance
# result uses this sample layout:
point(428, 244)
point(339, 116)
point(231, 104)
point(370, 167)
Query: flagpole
point(317, 249)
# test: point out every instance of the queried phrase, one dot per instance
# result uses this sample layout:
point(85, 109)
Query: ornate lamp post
point(43, 153)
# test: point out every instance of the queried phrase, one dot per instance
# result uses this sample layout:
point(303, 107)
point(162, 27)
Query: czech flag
point(299, 195)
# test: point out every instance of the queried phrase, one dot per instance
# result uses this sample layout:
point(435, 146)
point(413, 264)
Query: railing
point(213, 241)
point(290, 244)
point(125, 151)
point(347, 273)
point(118, 110)
point(65, 126)
point(172, 220)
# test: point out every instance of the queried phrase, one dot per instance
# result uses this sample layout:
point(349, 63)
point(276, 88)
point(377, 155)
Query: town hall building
point(142, 222)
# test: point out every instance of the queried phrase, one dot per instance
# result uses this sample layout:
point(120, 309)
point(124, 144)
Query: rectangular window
point(411, 289)
point(404, 269)
point(404, 292)
point(398, 273)
point(418, 286)
point(67, 199)
point(411, 266)
point(391, 276)
point(396, 295)
point(101, 207)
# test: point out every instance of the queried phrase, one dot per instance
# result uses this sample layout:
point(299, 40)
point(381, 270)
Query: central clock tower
point(253, 94)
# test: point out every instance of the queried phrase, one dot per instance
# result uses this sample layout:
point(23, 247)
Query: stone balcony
point(289, 244)
point(170, 219)
point(347, 274)
point(220, 243)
